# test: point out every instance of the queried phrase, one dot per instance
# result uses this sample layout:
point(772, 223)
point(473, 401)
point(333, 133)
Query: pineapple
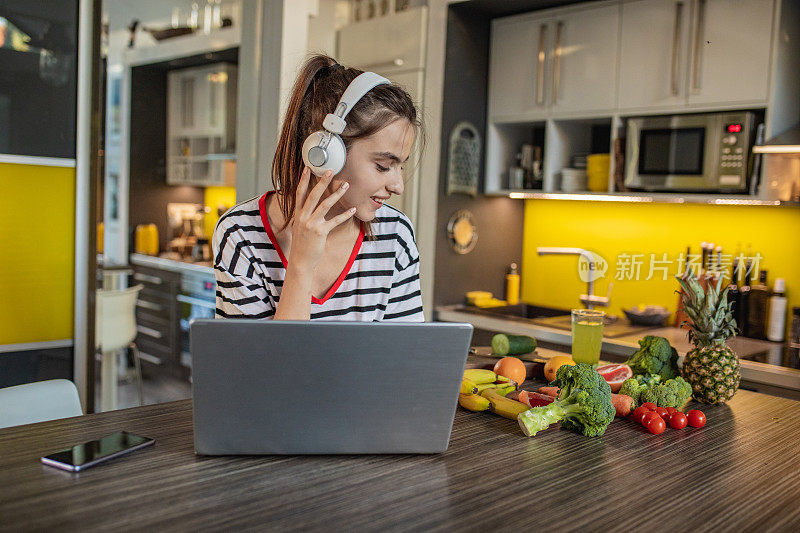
point(711, 368)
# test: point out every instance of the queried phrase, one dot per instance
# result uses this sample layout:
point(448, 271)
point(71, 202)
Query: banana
point(473, 402)
point(503, 406)
point(483, 386)
point(504, 390)
point(480, 375)
point(468, 387)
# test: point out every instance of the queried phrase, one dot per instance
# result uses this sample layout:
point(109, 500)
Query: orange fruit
point(554, 363)
point(511, 368)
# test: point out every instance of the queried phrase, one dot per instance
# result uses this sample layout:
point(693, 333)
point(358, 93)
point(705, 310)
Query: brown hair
point(318, 88)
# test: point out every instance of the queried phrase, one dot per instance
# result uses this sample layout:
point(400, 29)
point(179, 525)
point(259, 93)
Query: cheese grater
point(464, 159)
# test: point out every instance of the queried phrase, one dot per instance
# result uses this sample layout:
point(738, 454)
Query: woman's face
point(374, 169)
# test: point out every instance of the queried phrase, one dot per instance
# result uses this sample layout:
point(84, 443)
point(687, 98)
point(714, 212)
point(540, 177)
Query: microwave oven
point(707, 152)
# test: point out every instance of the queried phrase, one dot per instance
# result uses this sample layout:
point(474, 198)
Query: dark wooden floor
point(157, 388)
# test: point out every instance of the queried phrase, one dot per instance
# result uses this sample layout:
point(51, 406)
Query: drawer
point(160, 280)
point(154, 333)
point(154, 353)
point(161, 325)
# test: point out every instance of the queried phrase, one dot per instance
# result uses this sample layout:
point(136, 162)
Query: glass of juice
point(587, 335)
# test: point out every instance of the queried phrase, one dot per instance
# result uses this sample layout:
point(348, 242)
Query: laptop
point(287, 387)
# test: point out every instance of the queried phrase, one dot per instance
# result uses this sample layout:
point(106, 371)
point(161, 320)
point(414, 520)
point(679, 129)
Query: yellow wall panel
point(37, 253)
point(215, 197)
point(611, 229)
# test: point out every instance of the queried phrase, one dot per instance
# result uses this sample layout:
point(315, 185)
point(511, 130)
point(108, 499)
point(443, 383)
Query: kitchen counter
point(766, 375)
point(739, 472)
point(173, 265)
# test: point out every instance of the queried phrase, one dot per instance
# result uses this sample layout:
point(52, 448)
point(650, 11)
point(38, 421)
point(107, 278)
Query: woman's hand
point(310, 229)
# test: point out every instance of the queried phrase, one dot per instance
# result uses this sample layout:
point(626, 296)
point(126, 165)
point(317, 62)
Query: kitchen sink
point(518, 311)
point(555, 318)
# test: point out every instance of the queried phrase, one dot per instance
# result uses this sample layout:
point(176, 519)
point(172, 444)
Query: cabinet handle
point(557, 62)
point(397, 62)
point(212, 104)
point(540, 66)
point(698, 43)
point(196, 301)
point(676, 38)
point(149, 305)
point(150, 279)
point(187, 102)
point(150, 332)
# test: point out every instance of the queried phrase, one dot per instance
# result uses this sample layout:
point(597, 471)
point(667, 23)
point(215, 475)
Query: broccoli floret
point(648, 380)
point(655, 356)
point(671, 393)
point(583, 404)
point(633, 388)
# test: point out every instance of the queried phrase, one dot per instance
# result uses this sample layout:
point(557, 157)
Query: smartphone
point(82, 456)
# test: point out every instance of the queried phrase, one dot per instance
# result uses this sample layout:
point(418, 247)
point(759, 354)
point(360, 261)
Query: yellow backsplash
point(612, 228)
point(215, 197)
point(37, 253)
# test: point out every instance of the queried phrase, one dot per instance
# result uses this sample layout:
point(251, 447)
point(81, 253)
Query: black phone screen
point(90, 453)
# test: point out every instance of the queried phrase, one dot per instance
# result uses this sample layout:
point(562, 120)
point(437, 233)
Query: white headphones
point(324, 150)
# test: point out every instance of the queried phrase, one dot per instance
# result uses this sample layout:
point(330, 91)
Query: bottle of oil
point(743, 299)
point(757, 308)
point(512, 285)
point(776, 328)
point(733, 290)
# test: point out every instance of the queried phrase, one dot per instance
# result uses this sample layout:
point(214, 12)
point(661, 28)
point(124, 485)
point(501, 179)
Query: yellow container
point(100, 235)
point(597, 170)
point(146, 239)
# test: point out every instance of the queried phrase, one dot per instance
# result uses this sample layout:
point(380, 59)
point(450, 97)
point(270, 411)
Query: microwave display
point(673, 151)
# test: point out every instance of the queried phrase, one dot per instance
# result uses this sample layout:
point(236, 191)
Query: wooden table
point(740, 472)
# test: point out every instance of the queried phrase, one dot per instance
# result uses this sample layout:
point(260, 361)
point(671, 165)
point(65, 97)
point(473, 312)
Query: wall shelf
point(639, 197)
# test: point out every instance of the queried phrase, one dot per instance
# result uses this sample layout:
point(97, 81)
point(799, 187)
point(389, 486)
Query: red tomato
point(670, 410)
point(649, 405)
point(650, 415)
point(677, 420)
point(639, 413)
point(663, 413)
point(696, 419)
point(656, 425)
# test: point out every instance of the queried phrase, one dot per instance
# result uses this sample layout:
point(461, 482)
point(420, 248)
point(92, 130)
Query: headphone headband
point(361, 85)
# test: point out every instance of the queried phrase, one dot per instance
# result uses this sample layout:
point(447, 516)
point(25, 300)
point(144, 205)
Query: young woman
point(329, 247)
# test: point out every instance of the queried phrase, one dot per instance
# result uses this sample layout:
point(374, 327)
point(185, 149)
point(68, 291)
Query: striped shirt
point(379, 283)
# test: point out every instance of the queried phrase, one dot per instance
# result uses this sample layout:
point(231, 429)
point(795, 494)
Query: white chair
point(115, 329)
point(38, 402)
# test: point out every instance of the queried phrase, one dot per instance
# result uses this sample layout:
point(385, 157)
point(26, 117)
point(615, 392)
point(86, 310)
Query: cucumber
point(503, 344)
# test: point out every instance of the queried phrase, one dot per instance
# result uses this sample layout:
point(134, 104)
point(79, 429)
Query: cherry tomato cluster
point(655, 418)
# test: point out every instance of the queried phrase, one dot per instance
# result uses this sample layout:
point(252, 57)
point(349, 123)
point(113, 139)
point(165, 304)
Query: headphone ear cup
point(337, 154)
point(320, 160)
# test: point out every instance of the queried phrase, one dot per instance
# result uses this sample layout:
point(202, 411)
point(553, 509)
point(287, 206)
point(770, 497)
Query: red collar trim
point(262, 207)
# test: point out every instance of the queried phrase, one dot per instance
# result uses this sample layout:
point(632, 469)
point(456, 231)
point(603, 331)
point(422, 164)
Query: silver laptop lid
point(284, 387)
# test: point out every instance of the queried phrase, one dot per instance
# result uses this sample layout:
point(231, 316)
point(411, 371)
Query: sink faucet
point(589, 299)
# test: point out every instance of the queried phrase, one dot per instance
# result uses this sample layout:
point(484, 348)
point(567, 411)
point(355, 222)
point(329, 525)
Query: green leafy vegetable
point(671, 393)
point(583, 404)
point(655, 356)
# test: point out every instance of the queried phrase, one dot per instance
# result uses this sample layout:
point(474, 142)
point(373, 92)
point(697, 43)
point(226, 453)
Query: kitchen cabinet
point(584, 60)
point(201, 125)
point(517, 65)
point(558, 63)
point(653, 48)
point(725, 29)
point(694, 52)
point(157, 319)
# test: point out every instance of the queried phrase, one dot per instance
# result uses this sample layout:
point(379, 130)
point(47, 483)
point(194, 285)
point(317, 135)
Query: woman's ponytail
point(288, 162)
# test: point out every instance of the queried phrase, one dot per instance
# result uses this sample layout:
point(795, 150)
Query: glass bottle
point(757, 308)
